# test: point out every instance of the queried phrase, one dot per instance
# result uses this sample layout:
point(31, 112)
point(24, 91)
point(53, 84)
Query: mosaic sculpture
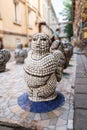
point(4, 58)
point(20, 53)
point(65, 48)
point(42, 71)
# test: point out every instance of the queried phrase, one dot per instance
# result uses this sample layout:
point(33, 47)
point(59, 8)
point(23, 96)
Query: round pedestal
point(42, 106)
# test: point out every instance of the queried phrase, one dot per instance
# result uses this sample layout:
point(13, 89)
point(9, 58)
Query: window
point(17, 12)
point(30, 24)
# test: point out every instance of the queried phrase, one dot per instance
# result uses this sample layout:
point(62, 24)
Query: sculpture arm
point(49, 88)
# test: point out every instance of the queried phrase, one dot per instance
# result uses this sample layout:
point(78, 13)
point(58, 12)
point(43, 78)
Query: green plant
point(67, 13)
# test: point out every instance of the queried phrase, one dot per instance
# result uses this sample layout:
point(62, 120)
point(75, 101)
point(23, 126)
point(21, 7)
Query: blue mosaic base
point(40, 107)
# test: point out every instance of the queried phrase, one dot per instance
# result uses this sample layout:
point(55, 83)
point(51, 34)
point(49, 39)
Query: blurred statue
point(4, 58)
point(43, 69)
point(66, 49)
point(20, 53)
point(55, 36)
point(29, 42)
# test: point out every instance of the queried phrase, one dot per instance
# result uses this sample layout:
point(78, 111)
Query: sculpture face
point(40, 43)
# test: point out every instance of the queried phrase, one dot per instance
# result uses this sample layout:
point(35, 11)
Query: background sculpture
point(65, 48)
point(20, 53)
point(4, 58)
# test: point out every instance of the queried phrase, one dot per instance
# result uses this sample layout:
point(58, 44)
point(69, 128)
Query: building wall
point(12, 40)
point(7, 14)
point(10, 29)
point(80, 22)
point(31, 13)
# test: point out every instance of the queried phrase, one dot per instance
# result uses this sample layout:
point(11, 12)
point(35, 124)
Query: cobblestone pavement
point(12, 85)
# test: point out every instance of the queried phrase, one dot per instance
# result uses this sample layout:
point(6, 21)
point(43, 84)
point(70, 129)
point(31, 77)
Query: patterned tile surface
point(12, 85)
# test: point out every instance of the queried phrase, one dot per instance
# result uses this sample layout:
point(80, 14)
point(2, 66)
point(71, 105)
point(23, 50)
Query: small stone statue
point(43, 69)
point(68, 49)
point(4, 58)
point(65, 48)
point(20, 53)
point(57, 45)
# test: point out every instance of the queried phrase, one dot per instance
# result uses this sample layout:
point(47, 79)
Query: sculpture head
point(40, 43)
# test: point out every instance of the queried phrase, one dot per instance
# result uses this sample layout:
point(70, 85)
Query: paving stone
point(47, 128)
point(80, 120)
point(39, 128)
point(31, 115)
point(84, 59)
point(64, 127)
point(44, 116)
point(37, 116)
point(71, 115)
point(69, 129)
point(57, 113)
point(24, 115)
point(51, 127)
point(5, 128)
point(53, 121)
point(61, 122)
point(44, 123)
point(81, 75)
point(81, 101)
point(81, 81)
point(81, 89)
point(64, 116)
point(16, 109)
point(51, 115)
point(80, 69)
point(70, 124)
